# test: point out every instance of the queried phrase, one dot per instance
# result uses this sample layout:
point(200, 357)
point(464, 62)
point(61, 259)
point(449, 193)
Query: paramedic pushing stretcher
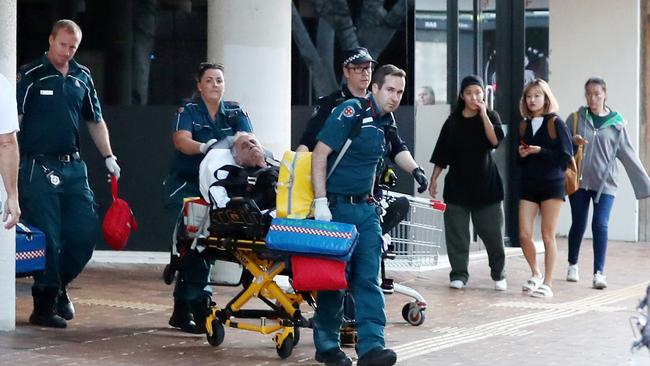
point(198, 125)
point(357, 70)
point(346, 197)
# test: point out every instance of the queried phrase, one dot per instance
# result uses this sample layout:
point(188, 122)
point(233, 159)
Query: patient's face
point(249, 151)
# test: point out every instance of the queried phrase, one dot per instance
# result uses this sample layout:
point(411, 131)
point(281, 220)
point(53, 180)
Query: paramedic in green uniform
point(198, 125)
point(54, 95)
point(346, 197)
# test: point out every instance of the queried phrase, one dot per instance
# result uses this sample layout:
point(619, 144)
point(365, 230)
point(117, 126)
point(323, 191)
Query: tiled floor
point(122, 313)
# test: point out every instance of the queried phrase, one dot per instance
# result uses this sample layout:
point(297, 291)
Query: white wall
point(599, 38)
point(428, 123)
point(252, 38)
point(7, 238)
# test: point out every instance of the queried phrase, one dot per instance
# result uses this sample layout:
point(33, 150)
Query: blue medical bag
point(333, 240)
point(30, 250)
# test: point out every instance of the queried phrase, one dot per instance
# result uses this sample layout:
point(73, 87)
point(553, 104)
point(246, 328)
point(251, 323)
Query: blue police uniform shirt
point(356, 170)
point(53, 106)
point(194, 117)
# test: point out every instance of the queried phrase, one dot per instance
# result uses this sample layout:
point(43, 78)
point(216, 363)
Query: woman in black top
point(545, 149)
point(473, 187)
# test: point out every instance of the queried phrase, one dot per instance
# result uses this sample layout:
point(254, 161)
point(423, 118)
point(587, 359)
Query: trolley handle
point(438, 205)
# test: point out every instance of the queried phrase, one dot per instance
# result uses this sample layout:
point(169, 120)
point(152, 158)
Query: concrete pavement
point(122, 313)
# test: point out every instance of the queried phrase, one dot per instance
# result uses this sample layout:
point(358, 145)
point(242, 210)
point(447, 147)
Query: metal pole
point(510, 39)
point(478, 38)
point(452, 52)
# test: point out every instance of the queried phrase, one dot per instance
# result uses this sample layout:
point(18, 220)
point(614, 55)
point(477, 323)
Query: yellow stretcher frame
point(285, 319)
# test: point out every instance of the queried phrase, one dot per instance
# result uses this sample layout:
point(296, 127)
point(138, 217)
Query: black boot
point(44, 313)
point(200, 311)
point(378, 357)
point(64, 307)
point(182, 317)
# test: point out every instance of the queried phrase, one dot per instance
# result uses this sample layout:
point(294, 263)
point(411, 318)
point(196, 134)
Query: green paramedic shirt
point(356, 170)
point(53, 106)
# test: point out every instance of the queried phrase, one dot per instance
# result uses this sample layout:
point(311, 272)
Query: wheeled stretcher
point(238, 233)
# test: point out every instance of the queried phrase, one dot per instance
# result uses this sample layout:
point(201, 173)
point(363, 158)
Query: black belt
point(64, 158)
point(348, 198)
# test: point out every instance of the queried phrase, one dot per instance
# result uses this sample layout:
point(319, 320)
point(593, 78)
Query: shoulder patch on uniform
point(83, 68)
point(348, 112)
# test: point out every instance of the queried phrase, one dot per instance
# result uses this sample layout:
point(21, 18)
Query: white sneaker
point(600, 281)
point(572, 274)
point(457, 284)
point(501, 285)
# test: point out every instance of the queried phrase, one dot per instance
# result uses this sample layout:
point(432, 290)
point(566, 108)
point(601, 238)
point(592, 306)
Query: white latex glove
point(322, 210)
point(112, 167)
point(205, 146)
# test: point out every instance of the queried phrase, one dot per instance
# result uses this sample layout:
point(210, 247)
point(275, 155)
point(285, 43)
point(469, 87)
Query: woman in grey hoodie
point(603, 137)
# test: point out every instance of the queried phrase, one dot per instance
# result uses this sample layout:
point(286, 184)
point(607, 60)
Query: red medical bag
point(119, 221)
point(316, 274)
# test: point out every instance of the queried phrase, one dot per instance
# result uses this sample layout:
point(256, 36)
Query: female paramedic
point(198, 125)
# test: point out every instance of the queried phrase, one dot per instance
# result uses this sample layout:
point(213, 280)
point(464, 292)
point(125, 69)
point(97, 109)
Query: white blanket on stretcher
point(213, 161)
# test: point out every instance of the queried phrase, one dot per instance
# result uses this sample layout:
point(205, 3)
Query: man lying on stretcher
point(241, 169)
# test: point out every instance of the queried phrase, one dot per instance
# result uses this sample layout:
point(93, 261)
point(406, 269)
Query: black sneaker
point(334, 357)
point(378, 357)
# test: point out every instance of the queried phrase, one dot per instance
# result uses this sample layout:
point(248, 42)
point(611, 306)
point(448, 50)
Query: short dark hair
point(205, 66)
point(379, 77)
point(66, 24)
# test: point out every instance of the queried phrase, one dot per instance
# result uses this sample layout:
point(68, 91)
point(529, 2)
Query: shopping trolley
point(413, 245)
point(641, 324)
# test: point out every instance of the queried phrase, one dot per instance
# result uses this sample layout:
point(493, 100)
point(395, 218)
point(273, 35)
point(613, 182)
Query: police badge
point(54, 179)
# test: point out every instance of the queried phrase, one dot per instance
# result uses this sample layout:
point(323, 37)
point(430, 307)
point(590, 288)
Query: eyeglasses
point(360, 69)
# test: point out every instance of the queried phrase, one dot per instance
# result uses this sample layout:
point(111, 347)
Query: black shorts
point(538, 192)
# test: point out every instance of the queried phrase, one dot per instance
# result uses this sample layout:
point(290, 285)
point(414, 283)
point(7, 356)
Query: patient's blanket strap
point(251, 183)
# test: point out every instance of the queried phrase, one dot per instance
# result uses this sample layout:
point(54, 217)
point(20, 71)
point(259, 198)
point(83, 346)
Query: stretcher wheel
point(296, 335)
point(413, 314)
point(285, 349)
point(168, 274)
point(218, 333)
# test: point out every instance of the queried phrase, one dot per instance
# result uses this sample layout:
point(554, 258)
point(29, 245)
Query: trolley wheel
point(168, 274)
point(285, 349)
point(349, 338)
point(413, 314)
point(218, 333)
point(296, 335)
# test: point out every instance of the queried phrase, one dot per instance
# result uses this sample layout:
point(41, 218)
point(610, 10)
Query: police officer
point(54, 94)
point(346, 197)
point(357, 70)
point(198, 125)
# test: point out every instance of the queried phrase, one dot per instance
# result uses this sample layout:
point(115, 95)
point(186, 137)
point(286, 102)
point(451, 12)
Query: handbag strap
point(114, 187)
